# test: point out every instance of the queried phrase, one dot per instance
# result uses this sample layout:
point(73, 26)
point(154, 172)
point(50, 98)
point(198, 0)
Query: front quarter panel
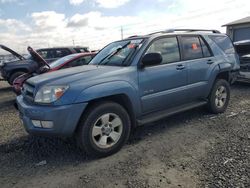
point(110, 89)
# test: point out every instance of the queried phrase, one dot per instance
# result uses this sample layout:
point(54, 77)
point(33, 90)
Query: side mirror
point(151, 59)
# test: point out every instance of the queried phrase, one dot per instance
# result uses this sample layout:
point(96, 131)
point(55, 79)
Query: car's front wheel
point(104, 129)
point(219, 96)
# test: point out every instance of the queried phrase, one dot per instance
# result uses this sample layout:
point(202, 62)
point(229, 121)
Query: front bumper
point(244, 77)
point(65, 118)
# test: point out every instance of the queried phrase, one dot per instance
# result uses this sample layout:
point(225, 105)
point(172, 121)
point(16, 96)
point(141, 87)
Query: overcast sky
point(95, 23)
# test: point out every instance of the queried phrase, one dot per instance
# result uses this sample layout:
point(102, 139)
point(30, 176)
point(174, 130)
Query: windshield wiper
point(113, 53)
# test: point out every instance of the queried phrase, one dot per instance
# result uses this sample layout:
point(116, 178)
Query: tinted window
point(224, 43)
point(79, 50)
point(205, 50)
point(46, 54)
point(191, 48)
point(61, 53)
point(168, 48)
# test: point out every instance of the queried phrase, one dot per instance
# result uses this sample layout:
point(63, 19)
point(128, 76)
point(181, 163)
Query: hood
point(77, 75)
point(12, 52)
point(242, 47)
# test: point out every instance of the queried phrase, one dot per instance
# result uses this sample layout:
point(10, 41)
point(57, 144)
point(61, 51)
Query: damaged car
point(243, 50)
point(10, 70)
point(68, 61)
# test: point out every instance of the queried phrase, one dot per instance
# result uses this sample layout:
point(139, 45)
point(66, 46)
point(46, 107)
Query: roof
point(240, 21)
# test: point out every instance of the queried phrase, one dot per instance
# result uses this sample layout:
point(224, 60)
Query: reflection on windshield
point(62, 60)
point(116, 53)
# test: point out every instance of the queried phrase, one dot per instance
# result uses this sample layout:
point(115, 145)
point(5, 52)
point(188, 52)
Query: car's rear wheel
point(104, 129)
point(219, 97)
point(14, 76)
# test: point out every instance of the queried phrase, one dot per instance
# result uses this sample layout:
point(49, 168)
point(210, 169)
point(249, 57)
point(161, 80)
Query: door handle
point(180, 67)
point(210, 61)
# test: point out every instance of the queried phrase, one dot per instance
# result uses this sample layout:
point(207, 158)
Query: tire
point(219, 97)
point(104, 129)
point(14, 76)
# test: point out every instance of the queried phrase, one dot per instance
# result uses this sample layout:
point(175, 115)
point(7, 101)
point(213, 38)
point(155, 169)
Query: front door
point(163, 86)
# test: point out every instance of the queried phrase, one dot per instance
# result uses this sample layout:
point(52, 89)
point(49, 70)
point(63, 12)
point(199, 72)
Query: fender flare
point(109, 89)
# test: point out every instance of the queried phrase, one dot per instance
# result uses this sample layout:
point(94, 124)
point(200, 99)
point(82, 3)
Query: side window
point(168, 48)
point(79, 50)
point(224, 43)
point(61, 53)
point(205, 50)
point(46, 54)
point(191, 48)
point(43, 53)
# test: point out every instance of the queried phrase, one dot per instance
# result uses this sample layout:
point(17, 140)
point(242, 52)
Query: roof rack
point(187, 30)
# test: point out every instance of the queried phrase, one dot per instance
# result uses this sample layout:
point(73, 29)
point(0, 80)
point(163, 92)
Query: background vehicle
point(72, 60)
point(243, 49)
point(11, 70)
point(52, 54)
point(128, 83)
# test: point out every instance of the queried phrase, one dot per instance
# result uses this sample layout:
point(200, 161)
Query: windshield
point(62, 60)
point(116, 53)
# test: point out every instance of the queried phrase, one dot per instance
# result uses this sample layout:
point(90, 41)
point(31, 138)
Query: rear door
point(163, 86)
point(199, 62)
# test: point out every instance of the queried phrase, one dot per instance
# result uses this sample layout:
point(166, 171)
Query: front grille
point(245, 66)
point(28, 92)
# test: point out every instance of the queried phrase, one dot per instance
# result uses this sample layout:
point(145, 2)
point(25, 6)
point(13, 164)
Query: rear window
point(206, 51)
point(224, 43)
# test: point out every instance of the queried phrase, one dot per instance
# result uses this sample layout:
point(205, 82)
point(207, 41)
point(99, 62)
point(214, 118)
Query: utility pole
point(121, 32)
point(73, 42)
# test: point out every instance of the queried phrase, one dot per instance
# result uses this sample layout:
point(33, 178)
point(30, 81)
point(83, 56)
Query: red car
point(72, 60)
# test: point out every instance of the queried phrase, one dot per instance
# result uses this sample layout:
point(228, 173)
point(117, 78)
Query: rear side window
point(168, 48)
point(191, 48)
point(224, 43)
point(205, 49)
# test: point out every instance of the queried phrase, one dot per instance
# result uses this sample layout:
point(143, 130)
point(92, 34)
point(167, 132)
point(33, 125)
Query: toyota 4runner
point(131, 82)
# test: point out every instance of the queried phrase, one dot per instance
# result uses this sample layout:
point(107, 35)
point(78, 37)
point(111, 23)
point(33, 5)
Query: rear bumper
point(65, 118)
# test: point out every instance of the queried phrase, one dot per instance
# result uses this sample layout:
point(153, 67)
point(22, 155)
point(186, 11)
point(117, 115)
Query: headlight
point(49, 94)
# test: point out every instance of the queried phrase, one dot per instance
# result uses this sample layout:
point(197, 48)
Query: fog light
point(47, 124)
point(36, 123)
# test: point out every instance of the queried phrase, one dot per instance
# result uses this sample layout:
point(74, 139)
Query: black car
point(243, 50)
point(12, 69)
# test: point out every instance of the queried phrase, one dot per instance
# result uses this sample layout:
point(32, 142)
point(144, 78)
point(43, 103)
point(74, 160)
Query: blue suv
point(131, 82)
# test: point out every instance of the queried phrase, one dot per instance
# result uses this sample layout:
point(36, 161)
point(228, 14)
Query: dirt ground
point(191, 149)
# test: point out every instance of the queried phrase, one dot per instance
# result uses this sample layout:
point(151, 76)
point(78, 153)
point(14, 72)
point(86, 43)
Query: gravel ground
point(191, 149)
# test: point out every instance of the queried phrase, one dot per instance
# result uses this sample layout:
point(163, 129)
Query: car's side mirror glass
point(151, 59)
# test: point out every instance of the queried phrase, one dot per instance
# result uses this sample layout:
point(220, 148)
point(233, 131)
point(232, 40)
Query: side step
point(162, 114)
